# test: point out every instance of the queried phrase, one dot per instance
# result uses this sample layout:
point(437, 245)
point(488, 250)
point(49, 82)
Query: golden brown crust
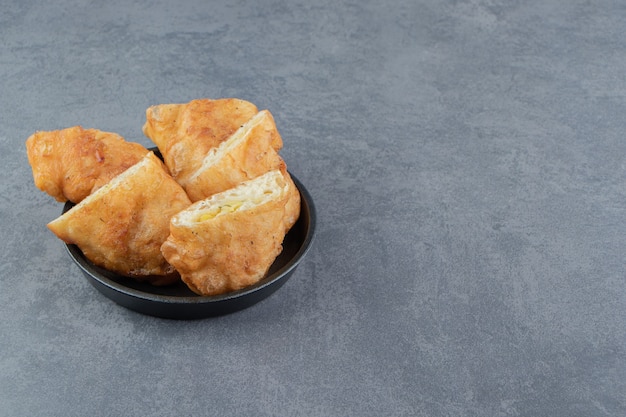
point(293, 204)
point(184, 133)
point(126, 196)
point(228, 254)
point(230, 251)
point(71, 163)
point(253, 154)
point(122, 226)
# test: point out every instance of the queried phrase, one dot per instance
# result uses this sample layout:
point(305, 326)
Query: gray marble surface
point(468, 164)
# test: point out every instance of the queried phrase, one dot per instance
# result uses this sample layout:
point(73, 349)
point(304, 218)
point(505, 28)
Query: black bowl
point(179, 302)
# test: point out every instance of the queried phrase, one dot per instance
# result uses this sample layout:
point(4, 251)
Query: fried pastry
point(246, 154)
point(122, 225)
point(184, 133)
point(229, 241)
point(71, 163)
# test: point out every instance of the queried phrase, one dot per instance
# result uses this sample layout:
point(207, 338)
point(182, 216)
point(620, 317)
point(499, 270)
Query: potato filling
point(245, 196)
point(222, 209)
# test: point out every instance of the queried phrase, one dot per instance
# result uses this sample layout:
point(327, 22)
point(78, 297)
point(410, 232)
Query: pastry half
point(249, 152)
point(229, 241)
point(184, 133)
point(122, 225)
point(69, 164)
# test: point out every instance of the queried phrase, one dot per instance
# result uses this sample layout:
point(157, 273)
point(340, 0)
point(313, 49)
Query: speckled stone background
point(468, 164)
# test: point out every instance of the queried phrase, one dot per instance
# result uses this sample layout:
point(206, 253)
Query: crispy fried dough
point(229, 240)
point(184, 133)
point(71, 163)
point(123, 224)
point(249, 152)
